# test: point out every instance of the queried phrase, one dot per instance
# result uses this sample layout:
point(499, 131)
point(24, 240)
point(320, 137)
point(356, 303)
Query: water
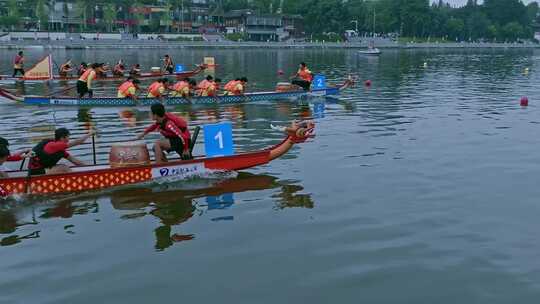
point(419, 189)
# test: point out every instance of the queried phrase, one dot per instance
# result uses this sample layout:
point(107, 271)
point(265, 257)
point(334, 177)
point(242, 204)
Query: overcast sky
point(462, 2)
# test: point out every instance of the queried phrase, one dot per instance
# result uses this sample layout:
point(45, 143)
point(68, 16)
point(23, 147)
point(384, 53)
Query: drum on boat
point(129, 154)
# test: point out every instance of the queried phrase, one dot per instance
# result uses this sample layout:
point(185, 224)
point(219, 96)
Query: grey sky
point(462, 2)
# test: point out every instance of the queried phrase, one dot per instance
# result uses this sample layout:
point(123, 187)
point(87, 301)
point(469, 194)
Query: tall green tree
point(42, 14)
point(109, 15)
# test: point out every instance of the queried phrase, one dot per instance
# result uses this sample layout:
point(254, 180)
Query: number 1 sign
point(218, 140)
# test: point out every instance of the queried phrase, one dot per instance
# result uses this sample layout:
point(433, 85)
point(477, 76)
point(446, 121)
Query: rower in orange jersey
point(129, 88)
point(303, 77)
point(203, 85)
point(236, 87)
point(183, 88)
point(158, 88)
point(211, 89)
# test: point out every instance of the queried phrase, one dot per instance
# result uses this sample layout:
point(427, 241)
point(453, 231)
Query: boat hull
point(115, 102)
point(103, 176)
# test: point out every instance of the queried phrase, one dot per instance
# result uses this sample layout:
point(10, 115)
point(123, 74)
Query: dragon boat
point(42, 72)
point(295, 93)
point(103, 176)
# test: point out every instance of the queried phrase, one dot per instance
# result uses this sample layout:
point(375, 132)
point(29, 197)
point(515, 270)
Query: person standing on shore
point(84, 84)
point(18, 64)
point(168, 64)
point(303, 77)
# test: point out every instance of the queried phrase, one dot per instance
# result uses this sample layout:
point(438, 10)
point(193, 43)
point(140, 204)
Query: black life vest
point(43, 159)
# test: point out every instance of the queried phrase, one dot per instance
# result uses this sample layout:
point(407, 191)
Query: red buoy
point(524, 101)
point(367, 83)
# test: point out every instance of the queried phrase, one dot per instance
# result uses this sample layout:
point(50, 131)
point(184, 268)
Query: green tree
point(41, 14)
point(81, 11)
point(512, 31)
point(109, 15)
point(455, 27)
point(13, 14)
point(166, 18)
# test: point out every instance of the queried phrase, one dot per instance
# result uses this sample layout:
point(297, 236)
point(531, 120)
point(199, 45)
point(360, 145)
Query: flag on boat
point(42, 70)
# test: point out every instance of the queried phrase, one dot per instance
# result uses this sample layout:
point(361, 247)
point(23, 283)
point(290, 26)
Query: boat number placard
point(218, 140)
point(178, 68)
point(179, 170)
point(319, 82)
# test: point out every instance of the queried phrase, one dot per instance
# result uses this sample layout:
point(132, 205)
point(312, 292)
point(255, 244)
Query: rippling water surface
point(422, 188)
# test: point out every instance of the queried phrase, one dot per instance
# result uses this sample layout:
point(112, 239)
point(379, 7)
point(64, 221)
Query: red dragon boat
point(42, 71)
point(86, 178)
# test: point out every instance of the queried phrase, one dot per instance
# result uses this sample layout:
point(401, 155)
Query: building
point(253, 26)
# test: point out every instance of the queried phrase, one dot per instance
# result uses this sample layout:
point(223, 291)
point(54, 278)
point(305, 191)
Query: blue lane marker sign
point(178, 68)
point(218, 139)
point(319, 82)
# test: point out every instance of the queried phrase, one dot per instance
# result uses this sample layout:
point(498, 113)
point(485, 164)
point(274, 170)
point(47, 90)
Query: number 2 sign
point(218, 140)
point(319, 82)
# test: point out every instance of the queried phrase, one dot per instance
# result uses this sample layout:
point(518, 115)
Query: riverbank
point(157, 44)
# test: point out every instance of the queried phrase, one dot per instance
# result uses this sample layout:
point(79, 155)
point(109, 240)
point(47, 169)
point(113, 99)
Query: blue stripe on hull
point(126, 102)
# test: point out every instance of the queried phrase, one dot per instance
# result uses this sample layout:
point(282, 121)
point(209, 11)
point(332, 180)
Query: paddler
point(82, 68)
point(18, 64)
point(84, 84)
point(229, 86)
point(129, 88)
point(158, 88)
point(236, 87)
point(101, 70)
point(173, 128)
point(168, 64)
point(204, 84)
point(50, 151)
point(303, 77)
point(6, 156)
point(65, 69)
point(183, 88)
point(119, 69)
point(135, 70)
point(214, 87)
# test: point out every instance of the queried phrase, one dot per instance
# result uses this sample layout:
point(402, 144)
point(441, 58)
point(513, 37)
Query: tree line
point(501, 20)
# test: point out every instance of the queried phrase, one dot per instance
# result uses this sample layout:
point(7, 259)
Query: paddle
point(94, 148)
point(193, 140)
point(62, 91)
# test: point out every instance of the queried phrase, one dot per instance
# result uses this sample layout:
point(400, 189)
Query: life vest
point(177, 121)
point(124, 88)
point(43, 159)
point(203, 85)
point(18, 59)
point(154, 88)
point(212, 89)
point(3, 193)
point(86, 74)
point(229, 86)
point(305, 74)
point(180, 86)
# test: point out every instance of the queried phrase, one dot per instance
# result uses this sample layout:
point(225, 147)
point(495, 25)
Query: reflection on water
point(429, 173)
point(173, 204)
